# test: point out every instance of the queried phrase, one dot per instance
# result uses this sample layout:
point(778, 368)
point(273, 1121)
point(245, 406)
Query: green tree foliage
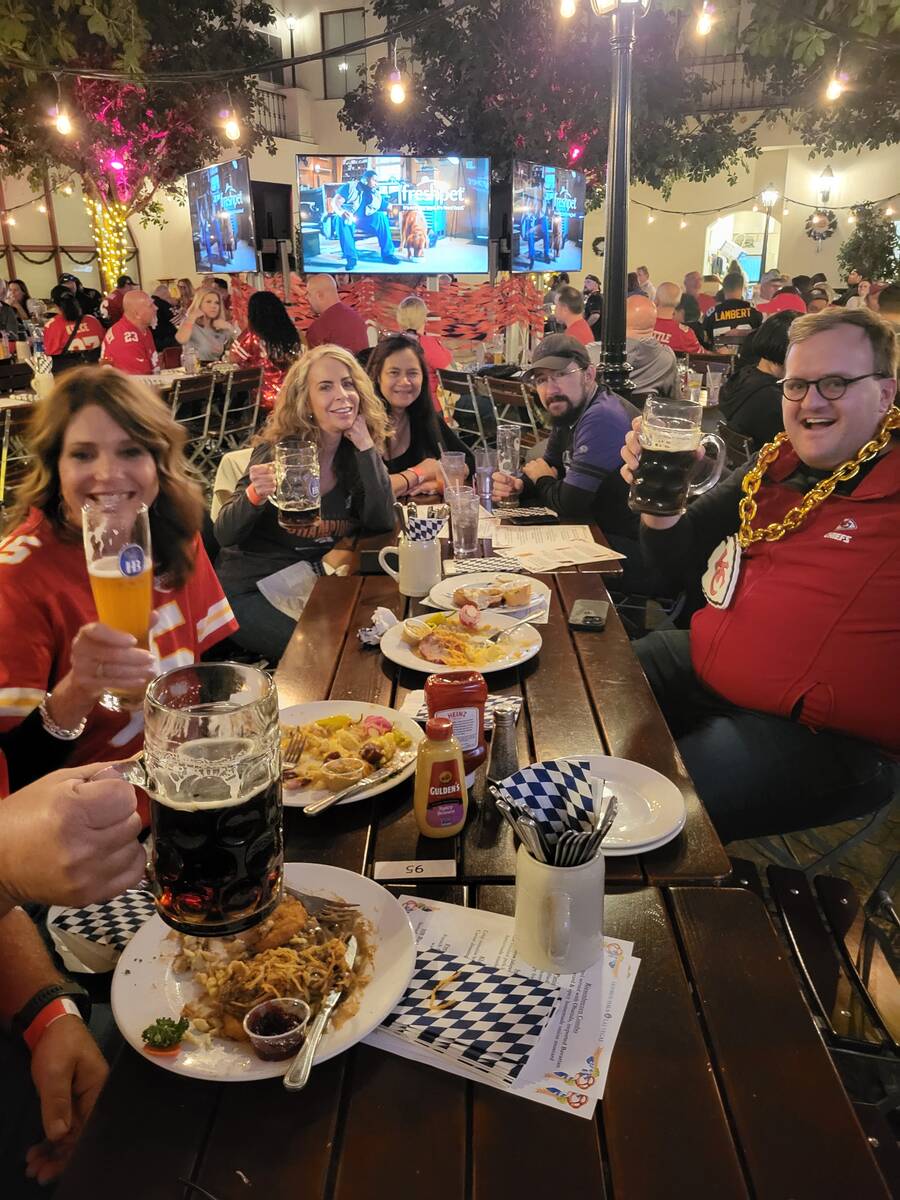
point(796, 48)
point(510, 79)
point(873, 247)
point(157, 130)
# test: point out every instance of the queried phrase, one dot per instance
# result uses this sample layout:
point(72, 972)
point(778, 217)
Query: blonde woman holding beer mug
point(100, 439)
point(328, 402)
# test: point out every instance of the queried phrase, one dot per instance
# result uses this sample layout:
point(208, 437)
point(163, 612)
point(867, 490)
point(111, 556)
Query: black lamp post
point(291, 24)
point(624, 14)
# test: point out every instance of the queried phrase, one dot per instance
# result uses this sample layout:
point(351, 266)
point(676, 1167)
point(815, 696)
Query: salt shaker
point(504, 751)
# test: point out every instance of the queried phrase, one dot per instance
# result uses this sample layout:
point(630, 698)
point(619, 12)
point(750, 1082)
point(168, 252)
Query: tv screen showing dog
point(387, 214)
point(548, 218)
point(222, 217)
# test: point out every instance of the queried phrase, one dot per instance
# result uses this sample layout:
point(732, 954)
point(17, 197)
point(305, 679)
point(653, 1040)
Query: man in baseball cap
point(88, 299)
point(577, 475)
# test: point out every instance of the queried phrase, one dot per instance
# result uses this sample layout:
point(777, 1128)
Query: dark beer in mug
point(211, 766)
point(217, 859)
point(663, 474)
point(667, 472)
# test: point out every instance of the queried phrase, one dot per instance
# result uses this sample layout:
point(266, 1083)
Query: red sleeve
point(437, 356)
point(313, 335)
point(26, 635)
point(212, 612)
point(246, 350)
point(107, 353)
point(92, 325)
point(56, 334)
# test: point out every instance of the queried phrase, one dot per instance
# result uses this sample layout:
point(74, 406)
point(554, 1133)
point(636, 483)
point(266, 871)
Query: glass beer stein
point(212, 768)
point(669, 471)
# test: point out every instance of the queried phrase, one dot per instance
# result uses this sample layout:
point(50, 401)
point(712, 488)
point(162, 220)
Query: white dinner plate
point(302, 714)
point(523, 643)
point(441, 594)
point(145, 987)
point(651, 808)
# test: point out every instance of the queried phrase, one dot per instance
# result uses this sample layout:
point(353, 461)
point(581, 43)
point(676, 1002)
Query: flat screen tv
point(221, 211)
point(547, 217)
point(389, 214)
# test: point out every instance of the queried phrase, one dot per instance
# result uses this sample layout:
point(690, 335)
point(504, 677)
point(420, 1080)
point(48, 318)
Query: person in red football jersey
point(270, 341)
point(98, 438)
point(129, 344)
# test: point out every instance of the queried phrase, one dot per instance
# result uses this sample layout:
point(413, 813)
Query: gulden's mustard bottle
point(441, 800)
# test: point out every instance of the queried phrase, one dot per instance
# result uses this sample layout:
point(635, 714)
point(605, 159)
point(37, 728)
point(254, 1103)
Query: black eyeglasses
point(830, 387)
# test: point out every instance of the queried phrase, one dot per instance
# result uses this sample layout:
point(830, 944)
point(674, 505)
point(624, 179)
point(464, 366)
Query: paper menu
point(569, 1066)
point(544, 536)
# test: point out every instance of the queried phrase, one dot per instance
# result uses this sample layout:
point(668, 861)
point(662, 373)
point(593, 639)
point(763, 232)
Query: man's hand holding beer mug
point(661, 456)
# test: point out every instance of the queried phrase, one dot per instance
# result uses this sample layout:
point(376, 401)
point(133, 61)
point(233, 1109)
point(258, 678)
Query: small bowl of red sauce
point(276, 1028)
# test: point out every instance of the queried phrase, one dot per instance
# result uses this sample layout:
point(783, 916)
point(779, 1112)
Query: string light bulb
point(567, 9)
point(852, 218)
point(835, 89)
point(63, 123)
point(785, 211)
point(67, 189)
point(889, 211)
point(682, 224)
point(650, 218)
point(9, 219)
point(232, 127)
point(42, 208)
point(704, 22)
point(396, 90)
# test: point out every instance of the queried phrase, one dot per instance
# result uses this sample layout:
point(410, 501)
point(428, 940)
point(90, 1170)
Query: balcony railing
point(273, 114)
point(732, 89)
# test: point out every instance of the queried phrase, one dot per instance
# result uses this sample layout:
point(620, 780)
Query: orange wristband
point(61, 1007)
point(254, 497)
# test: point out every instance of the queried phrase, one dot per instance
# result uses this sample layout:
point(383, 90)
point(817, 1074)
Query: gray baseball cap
point(556, 352)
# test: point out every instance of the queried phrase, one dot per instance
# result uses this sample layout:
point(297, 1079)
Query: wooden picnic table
point(719, 1087)
point(584, 693)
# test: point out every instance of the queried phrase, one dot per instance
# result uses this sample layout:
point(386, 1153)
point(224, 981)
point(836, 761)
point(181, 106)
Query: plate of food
point(490, 591)
point(459, 639)
point(198, 990)
point(331, 744)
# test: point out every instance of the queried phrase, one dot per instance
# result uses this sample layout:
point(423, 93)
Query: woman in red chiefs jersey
point(99, 437)
point(270, 341)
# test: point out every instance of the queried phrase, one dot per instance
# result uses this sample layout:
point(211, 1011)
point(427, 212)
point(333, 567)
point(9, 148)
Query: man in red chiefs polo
point(129, 344)
point(667, 330)
point(783, 694)
point(337, 323)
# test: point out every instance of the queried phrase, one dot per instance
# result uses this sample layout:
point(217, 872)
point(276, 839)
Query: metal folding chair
point(473, 412)
point(14, 377)
point(514, 405)
point(191, 401)
point(240, 409)
point(13, 456)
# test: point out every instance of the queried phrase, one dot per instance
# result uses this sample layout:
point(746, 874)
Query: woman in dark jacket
point(750, 401)
point(417, 433)
point(327, 400)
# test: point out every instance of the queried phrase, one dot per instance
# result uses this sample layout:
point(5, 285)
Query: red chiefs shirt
point(581, 331)
point(676, 336)
point(705, 303)
point(340, 325)
point(45, 598)
point(815, 617)
point(89, 336)
point(129, 348)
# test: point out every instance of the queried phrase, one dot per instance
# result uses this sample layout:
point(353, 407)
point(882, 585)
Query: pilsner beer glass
point(509, 449)
point(296, 483)
point(120, 568)
point(669, 470)
point(212, 768)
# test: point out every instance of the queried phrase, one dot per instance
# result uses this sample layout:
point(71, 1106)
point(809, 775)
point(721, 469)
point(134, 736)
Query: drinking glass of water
point(485, 466)
point(453, 468)
point(464, 508)
point(509, 448)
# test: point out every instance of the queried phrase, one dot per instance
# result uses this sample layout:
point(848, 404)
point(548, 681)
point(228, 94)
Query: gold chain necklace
point(815, 496)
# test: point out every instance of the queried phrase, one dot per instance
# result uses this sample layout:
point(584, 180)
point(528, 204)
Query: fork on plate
point(323, 908)
point(293, 748)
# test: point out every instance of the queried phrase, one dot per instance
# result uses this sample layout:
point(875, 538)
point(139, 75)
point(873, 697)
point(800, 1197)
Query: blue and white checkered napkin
point(424, 529)
point(464, 566)
point(556, 793)
point(473, 1013)
point(112, 923)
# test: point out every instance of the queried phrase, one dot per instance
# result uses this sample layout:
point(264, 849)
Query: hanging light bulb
point(63, 124)
point(704, 22)
point(10, 220)
point(835, 89)
point(567, 8)
point(682, 224)
point(575, 152)
point(889, 211)
point(852, 218)
point(42, 208)
point(232, 127)
point(67, 189)
point(396, 90)
point(650, 218)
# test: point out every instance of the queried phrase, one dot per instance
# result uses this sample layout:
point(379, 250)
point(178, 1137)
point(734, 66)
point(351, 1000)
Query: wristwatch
point(54, 991)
